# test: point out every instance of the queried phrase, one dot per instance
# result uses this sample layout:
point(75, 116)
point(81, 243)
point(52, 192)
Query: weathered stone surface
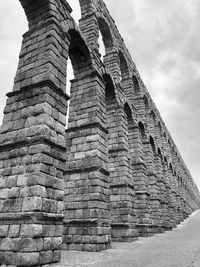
point(114, 174)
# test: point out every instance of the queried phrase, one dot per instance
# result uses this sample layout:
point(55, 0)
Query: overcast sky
point(163, 39)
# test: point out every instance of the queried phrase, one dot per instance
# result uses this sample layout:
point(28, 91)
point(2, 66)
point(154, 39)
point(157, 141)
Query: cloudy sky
point(163, 39)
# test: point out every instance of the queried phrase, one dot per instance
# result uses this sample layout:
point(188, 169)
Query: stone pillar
point(139, 174)
point(122, 189)
point(162, 191)
point(181, 216)
point(87, 187)
point(32, 147)
point(177, 199)
point(167, 207)
point(152, 186)
point(173, 198)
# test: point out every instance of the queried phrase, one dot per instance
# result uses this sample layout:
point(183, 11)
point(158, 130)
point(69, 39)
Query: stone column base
point(86, 235)
point(30, 239)
point(123, 232)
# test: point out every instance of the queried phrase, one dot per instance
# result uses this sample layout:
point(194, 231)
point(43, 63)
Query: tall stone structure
point(114, 174)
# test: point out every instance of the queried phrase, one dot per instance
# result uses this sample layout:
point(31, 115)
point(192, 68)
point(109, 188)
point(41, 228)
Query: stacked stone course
point(114, 174)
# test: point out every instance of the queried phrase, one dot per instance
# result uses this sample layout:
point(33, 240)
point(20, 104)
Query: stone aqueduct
point(114, 174)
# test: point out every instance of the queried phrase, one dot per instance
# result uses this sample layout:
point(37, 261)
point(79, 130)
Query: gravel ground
point(177, 248)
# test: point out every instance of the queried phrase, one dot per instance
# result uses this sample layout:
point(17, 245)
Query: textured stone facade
point(113, 175)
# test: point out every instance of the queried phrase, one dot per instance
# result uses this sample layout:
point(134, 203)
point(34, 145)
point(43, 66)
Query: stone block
point(56, 243)
point(12, 205)
point(58, 230)
point(31, 230)
point(4, 231)
point(27, 244)
point(47, 243)
point(6, 244)
point(56, 255)
point(2, 257)
point(46, 257)
point(49, 230)
point(14, 230)
point(28, 259)
point(10, 258)
point(32, 204)
point(13, 192)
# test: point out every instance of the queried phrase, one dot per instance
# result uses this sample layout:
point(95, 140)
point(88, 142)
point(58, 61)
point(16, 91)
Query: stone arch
point(109, 88)
point(128, 111)
point(152, 142)
point(124, 71)
point(130, 131)
point(146, 102)
point(160, 128)
point(153, 115)
point(136, 84)
point(165, 160)
point(171, 167)
point(105, 32)
point(79, 62)
point(169, 143)
point(79, 53)
point(159, 152)
point(142, 129)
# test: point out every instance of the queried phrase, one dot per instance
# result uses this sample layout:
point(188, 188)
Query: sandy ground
point(177, 248)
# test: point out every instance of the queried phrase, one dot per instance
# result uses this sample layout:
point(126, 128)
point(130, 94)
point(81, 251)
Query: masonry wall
point(114, 174)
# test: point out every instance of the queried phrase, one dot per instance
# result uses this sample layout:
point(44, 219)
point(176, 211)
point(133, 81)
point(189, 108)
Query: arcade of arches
point(114, 174)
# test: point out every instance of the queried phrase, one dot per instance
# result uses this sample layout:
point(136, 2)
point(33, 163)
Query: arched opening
point(78, 63)
point(124, 73)
point(109, 89)
point(151, 140)
point(165, 160)
point(69, 78)
point(170, 167)
point(105, 41)
point(102, 49)
point(141, 129)
point(159, 153)
point(153, 116)
point(136, 84)
point(128, 111)
point(169, 143)
point(160, 128)
point(78, 53)
point(110, 105)
point(130, 124)
point(146, 102)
